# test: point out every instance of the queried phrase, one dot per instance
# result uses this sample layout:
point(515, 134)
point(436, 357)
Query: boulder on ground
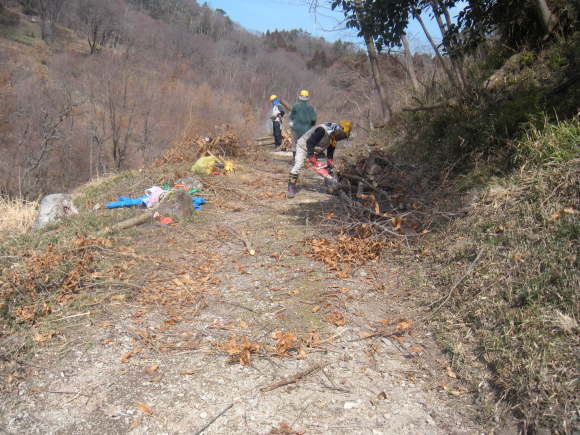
point(176, 204)
point(53, 208)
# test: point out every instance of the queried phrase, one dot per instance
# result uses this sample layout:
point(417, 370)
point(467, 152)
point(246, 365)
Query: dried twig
point(358, 205)
point(233, 304)
point(456, 284)
point(292, 379)
point(209, 423)
point(88, 313)
point(243, 238)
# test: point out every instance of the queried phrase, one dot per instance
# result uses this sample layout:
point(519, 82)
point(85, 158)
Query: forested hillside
point(92, 86)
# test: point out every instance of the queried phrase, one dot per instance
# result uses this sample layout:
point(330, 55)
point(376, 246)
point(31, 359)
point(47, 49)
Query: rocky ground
point(197, 334)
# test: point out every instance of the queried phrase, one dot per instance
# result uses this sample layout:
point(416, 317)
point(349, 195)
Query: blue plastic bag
point(125, 201)
point(197, 202)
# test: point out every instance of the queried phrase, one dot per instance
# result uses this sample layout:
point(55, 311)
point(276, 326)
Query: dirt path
point(162, 353)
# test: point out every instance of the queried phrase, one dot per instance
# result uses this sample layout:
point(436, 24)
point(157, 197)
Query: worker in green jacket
point(302, 118)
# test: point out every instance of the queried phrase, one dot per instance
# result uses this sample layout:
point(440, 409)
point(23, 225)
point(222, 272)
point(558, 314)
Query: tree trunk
point(375, 69)
point(434, 46)
point(437, 10)
point(445, 10)
point(409, 64)
point(547, 18)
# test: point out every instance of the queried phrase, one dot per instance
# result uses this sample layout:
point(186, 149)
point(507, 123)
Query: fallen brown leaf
point(285, 342)
point(151, 369)
point(335, 318)
point(39, 338)
point(284, 429)
point(145, 408)
point(450, 372)
point(403, 325)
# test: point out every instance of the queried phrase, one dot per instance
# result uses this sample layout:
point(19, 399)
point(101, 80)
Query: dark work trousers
point(277, 133)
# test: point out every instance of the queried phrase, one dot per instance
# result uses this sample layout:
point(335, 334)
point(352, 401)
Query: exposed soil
point(157, 354)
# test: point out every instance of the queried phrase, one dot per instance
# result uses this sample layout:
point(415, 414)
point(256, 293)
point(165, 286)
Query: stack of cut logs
point(269, 140)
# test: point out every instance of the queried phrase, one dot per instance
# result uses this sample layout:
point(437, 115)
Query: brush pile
point(373, 192)
point(190, 149)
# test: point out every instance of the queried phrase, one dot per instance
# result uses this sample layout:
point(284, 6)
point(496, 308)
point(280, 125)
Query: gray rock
point(53, 208)
point(176, 204)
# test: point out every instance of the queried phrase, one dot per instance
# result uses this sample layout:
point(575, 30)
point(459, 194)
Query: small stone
point(352, 405)
point(361, 273)
point(203, 415)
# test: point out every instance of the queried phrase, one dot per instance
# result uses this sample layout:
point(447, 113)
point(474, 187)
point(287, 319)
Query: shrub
point(8, 17)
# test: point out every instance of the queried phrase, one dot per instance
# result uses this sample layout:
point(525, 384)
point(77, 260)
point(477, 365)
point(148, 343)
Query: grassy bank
point(515, 307)
point(499, 274)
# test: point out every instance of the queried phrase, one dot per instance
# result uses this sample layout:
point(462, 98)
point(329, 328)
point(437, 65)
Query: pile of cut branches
point(190, 149)
point(43, 278)
point(373, 192)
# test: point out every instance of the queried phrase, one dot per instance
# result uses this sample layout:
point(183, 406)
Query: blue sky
point(262, 15)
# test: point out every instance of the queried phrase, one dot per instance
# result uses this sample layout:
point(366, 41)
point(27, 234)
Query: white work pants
point(300, 159)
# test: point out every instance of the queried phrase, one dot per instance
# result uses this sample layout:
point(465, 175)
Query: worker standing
point(277, 115)
point(302, 118)
point(320, 138)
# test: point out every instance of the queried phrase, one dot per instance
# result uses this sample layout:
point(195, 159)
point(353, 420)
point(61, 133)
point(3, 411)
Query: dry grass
point(508, 317)
point(517, 312)
point(16, 216)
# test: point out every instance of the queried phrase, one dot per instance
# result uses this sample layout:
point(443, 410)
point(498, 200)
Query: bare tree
point(409, 65)
point(440, 9)
point(435, 48)
point(49, 11)
point(99, 19)
point(547, 18)
point(386, 107)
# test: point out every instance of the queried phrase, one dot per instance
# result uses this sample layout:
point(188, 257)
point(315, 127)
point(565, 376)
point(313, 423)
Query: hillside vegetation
point(99, 86)
point(502, 173)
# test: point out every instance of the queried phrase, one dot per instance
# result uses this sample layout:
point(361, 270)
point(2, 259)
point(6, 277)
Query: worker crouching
point(320, 138)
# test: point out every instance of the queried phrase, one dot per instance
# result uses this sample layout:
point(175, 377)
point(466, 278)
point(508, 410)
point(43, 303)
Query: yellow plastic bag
point(229, 167)
point(204, 165)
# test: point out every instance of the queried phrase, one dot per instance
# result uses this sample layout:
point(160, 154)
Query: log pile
point(287, 140)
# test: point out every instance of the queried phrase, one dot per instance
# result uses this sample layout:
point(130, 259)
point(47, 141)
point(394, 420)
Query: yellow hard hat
point(346, 127)
point(304, 93)
point(273, 97)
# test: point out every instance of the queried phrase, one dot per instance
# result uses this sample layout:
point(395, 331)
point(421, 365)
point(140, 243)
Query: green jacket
point(303, 117)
